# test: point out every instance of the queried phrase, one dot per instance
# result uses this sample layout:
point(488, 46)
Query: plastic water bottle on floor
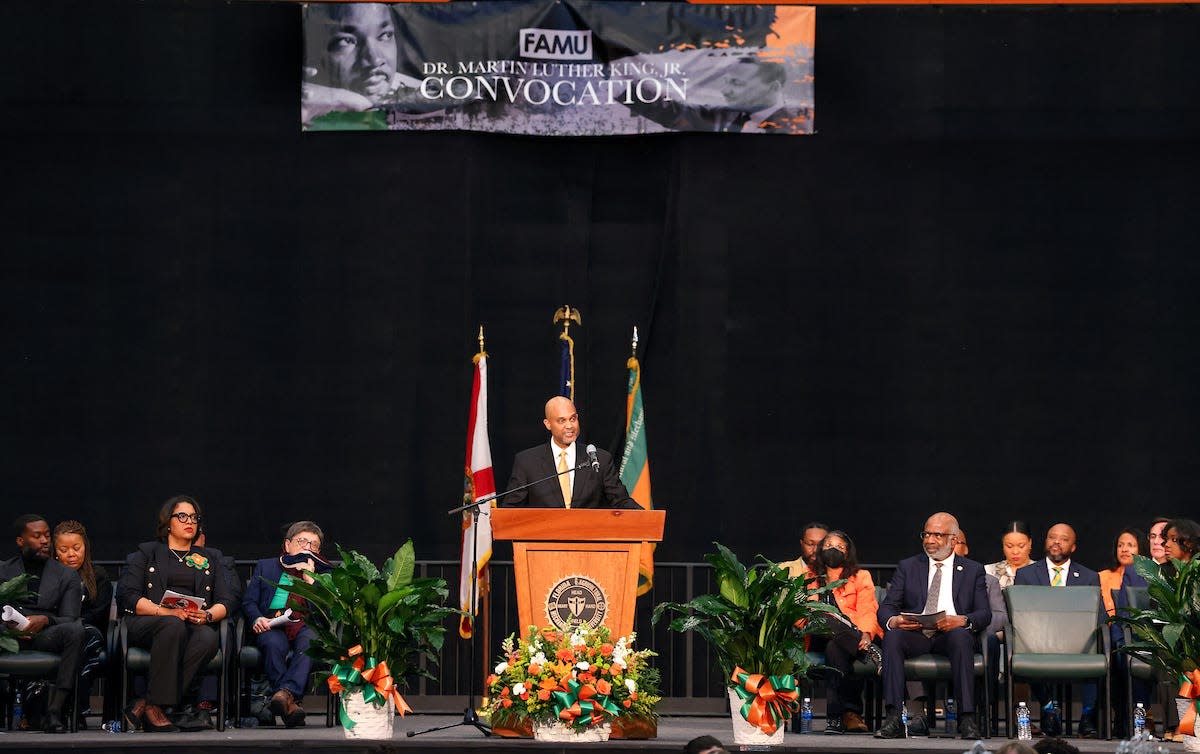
point(1024, 731)
point(806, 715)
point(951, 717)
point(1139, 719)
point(113, 726)
point(904, 718)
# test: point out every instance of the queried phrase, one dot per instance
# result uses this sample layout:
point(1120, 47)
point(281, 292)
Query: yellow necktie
point(1057, 580)
point(564, 480)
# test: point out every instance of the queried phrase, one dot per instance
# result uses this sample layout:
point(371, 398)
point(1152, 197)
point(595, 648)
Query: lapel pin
point(1075, 574)
point(958, 568)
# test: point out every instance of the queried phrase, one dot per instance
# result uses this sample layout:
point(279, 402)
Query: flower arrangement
point(578, 678)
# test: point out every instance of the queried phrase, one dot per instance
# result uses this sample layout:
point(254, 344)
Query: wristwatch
point(208, 616)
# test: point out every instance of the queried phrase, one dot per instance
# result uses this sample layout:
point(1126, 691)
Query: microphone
point(591, 453)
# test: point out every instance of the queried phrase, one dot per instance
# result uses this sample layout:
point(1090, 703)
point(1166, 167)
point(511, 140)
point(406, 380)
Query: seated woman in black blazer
point(181, 641)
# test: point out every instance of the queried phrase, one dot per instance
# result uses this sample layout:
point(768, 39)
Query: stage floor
point(673, 733)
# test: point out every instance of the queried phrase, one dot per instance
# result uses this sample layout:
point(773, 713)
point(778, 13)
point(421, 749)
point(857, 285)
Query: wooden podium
point(577, 565)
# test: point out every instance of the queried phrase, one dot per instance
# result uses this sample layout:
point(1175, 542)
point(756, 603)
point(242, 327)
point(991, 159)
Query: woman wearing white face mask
point(854, 630)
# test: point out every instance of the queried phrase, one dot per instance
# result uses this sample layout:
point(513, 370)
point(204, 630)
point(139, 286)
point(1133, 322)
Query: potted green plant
point(12, 592)
point(757, 625)
point(373, 626)
point(1167, 634)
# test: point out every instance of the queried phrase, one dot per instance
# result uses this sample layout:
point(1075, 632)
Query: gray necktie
point(935, 591)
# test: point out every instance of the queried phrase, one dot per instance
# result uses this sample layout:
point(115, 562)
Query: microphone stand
point(470, 717)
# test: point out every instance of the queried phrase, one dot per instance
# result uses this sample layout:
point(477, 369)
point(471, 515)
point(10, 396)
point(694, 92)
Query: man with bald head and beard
point(582, 486)
point(1057, 569)
point(935, 581)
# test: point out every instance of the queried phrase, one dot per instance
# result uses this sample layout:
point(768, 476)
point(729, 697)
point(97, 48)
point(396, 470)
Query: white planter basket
point(744, 732)
point(370, 721)
point(559, 733)
point(1190, 743)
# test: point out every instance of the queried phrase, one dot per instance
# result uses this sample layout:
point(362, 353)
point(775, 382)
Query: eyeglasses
point(313, 545)
point(934, 535)
point(186, 518)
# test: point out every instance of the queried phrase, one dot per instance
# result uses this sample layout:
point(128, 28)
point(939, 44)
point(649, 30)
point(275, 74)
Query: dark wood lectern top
point(577, 525)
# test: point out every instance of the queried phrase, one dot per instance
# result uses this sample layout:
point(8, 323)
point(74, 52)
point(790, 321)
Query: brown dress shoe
point(853, 722)
point(284, 705)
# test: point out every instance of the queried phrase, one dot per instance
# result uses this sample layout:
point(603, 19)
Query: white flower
point(538, 659)
point(518, 689)
point(582, 665)
point(501, 668)
point(631, 685)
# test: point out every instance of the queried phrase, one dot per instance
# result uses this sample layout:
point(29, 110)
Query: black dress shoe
point(190, 719)
point(891, 728)
point(833, 726)
point(52, 723)
point(968, 726)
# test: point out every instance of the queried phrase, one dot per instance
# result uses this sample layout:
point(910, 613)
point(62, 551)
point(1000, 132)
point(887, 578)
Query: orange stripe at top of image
point(942, 2)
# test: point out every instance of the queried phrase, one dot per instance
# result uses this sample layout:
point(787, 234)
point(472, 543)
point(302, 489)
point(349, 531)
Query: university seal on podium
point(576, 600)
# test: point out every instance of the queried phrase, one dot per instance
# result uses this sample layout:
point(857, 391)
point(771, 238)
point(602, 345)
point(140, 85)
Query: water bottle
point(904, 719)
point(16, 711)
point(1024, 731)
point(1139, 719)
point(113, 726)
point(951, 717)
point(806, 715)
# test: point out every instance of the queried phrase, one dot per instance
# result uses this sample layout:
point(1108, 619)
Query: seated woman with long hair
point(854, 630)
point(73, 549)
point(181, 641)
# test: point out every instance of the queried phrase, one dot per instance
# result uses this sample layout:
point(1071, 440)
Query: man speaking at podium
point(595, 485)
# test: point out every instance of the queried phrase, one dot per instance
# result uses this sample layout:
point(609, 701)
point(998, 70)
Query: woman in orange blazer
point(855, 630)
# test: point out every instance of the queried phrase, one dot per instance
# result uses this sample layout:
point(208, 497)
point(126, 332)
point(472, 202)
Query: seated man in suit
point(262, 602)
point(53, 611)
point(584, 485)
point(935, 581)
point(1057, 569)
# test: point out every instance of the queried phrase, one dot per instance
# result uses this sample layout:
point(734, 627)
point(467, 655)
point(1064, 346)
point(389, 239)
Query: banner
point(558, 67)
point(478, 483)
point(635, 465)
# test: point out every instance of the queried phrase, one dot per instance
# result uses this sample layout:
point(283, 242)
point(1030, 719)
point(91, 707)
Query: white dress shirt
point(1066, 570)
point(945, 600)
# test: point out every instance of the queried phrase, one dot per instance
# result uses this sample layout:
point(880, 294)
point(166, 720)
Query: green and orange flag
point(635, 464)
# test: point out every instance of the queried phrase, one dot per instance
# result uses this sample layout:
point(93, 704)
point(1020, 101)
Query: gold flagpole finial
point(481, 338)
point(633, 345)
point(567, 315)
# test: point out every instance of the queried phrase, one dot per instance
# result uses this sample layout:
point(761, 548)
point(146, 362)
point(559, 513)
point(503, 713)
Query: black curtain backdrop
point(975, 289)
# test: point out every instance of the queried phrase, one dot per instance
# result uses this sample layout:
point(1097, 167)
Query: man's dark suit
point(283, 673)
point(1036, 574)
point(59, 599)
point(907, 593)
point(590, 490)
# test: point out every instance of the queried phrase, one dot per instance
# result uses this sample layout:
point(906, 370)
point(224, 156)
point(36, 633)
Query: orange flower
point(491, 679)
point(591, 651)
point(606, 649)
point(633, 696)
point(504, 691)
point(565, 655)
point(506, 703)
point(544, 695)
point(335, 686)
point(586, 677)
point(624, 704)
point(550, 635)
point(535, 669)
point(549, 684)
point(525, 696)
point(603, 686)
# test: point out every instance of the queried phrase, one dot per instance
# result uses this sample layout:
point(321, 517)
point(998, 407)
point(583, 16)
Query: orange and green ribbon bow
point(378, 687)
point(1189, 688)
point(766, 701)
point(582, 705)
